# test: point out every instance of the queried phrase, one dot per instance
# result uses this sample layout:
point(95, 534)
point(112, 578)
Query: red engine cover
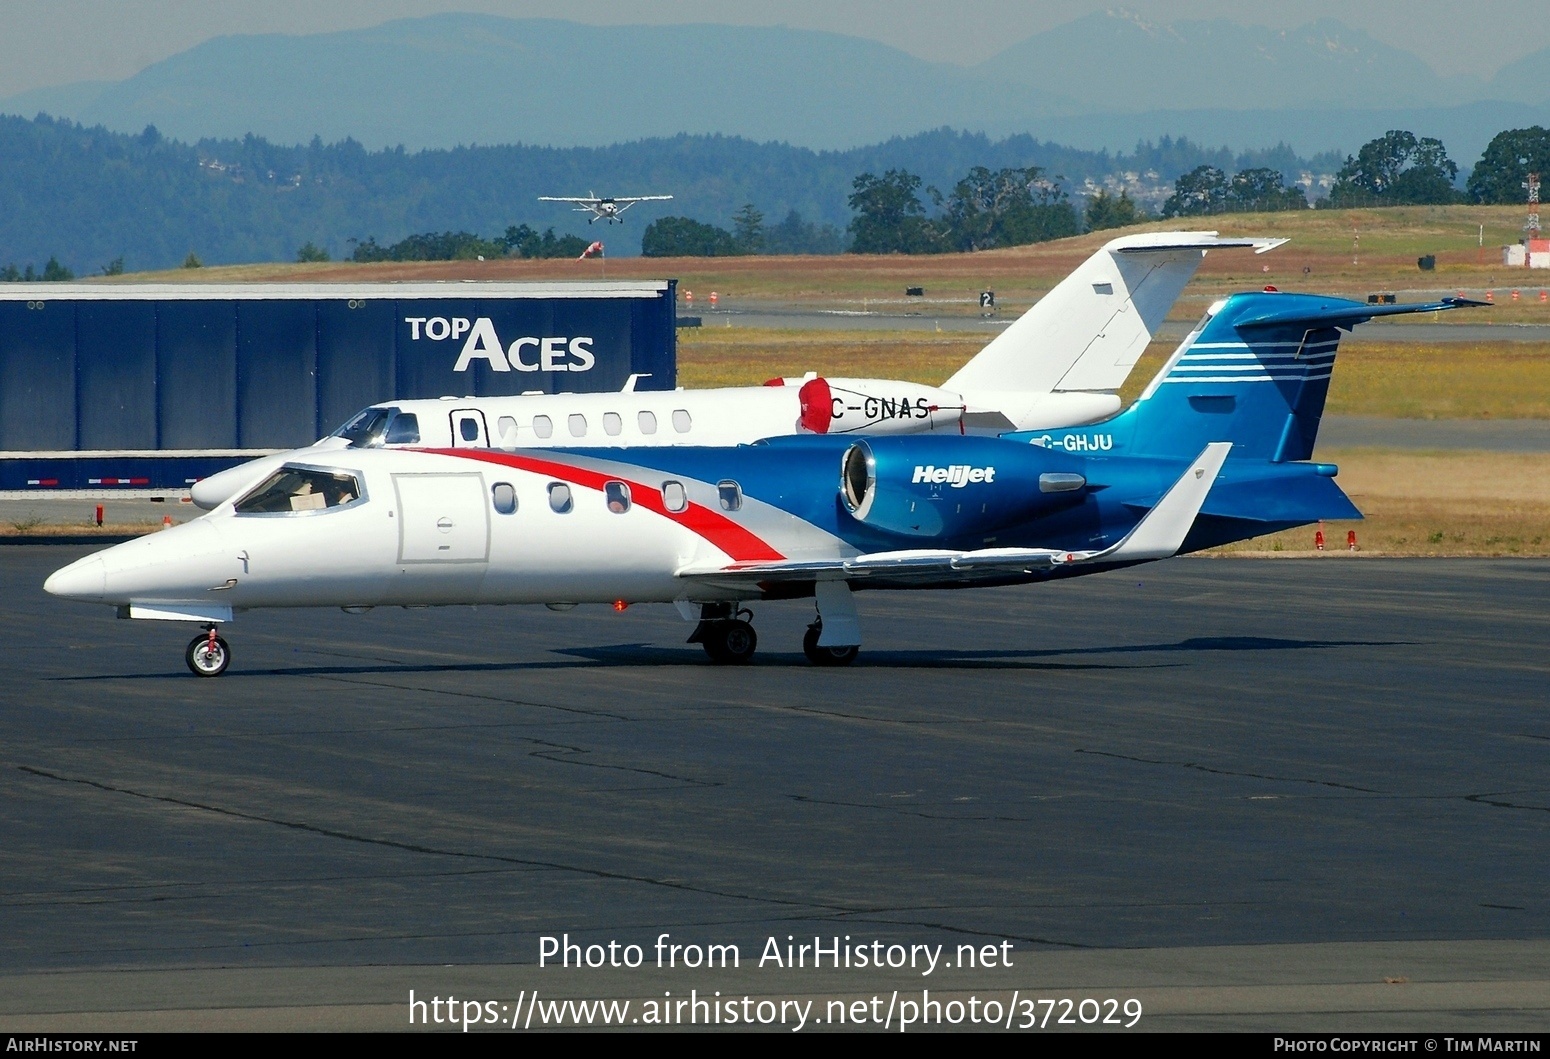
point(817, 406)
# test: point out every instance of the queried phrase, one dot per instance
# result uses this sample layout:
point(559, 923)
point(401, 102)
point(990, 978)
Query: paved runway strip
point(1345, 757)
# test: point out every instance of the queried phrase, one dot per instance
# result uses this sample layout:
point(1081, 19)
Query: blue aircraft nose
point(83, 579)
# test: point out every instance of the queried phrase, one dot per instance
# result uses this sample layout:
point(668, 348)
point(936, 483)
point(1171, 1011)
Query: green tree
point(192, 261)
point(310, 251)
point(685, 237)
point(1263, 190)
point(1201, 191)
point(54, 272)
point(1396, 169)
point(797, 236)
point(1112, 211)
point(748, 229)
point(890, 218)
point(1509, 158)
point(114, 267)
point(523, 241)
point(1007, 207)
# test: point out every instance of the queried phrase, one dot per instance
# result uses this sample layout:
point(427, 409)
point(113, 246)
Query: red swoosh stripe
point(715, 527)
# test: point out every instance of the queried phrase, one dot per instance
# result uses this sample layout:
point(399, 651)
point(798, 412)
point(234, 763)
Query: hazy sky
point(49, 42)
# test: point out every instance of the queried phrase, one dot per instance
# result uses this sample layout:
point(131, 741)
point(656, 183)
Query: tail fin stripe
point(1248, 378)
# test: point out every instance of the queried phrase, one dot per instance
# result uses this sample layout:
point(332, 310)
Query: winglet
point(1161, 533)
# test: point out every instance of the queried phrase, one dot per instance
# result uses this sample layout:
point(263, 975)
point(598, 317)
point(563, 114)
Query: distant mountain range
point(1104, 81)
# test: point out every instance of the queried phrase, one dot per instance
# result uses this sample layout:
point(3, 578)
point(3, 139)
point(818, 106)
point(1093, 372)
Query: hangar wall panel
point(276, 373)
point(115, 364)
point(37, 375)
point(196, 368)
point(357, 357)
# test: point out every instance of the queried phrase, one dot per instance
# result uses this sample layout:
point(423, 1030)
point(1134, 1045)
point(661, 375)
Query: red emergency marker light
point(621, 606)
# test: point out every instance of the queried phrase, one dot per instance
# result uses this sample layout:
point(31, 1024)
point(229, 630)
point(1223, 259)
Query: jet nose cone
point(83, 579)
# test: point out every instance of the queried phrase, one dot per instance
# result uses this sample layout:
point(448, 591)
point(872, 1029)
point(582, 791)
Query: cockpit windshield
point(292, 489)
point(366, 428)
point(374, 427)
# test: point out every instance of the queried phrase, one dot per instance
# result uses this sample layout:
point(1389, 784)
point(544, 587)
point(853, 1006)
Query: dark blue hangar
point(145, 388)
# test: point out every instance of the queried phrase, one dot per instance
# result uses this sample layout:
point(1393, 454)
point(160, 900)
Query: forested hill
point(89, 196)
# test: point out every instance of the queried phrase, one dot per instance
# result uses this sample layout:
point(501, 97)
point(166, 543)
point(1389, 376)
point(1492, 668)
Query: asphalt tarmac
point(1279, 794)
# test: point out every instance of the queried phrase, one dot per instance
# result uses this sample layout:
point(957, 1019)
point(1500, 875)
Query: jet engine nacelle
point(952, 487)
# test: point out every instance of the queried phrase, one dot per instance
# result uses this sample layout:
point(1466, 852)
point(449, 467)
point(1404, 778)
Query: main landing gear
point(726, 634)
point(826, 656)
point(208, 654)
point(726, 630)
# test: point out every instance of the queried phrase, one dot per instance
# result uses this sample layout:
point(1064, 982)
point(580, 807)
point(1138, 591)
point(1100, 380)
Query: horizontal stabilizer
point(1168, 242)
point(1282, 498)
point(1350, 314)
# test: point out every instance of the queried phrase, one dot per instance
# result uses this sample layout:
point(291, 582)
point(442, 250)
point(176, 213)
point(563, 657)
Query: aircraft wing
point(1159, 534)
point(557, 198)
point(646, 198)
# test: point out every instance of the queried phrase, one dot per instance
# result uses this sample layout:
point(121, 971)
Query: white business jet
point(1059, 365)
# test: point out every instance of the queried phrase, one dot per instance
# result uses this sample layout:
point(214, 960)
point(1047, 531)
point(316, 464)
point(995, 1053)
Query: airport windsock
point(595, 248)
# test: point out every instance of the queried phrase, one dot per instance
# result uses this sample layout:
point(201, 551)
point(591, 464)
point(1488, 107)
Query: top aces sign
point(481, 342)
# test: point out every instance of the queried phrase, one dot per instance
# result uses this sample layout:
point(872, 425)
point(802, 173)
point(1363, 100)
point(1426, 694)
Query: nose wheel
point(826, 656)
point(208, 655)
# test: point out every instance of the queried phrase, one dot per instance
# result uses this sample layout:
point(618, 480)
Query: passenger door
point(469, 430)
point(442, 518)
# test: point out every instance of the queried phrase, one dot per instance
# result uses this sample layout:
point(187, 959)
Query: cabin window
point(403, 429)
point(612, 424)
point(468, 427)
point(681, 420)
point(618, 496)
point(293, 489)
point(648, 422)
point(506, 430)
point(504, 496)
point(543, 426)
point(731, 495)
point(578, 425)
point(559, 498)
point(674, 498)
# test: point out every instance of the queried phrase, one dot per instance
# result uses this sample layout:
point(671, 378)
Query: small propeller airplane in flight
point(609, 210)
point(1216, 449)
point(1060, 364)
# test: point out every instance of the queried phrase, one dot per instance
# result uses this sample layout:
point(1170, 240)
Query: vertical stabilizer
point(1089, 331)
point(1255, 373)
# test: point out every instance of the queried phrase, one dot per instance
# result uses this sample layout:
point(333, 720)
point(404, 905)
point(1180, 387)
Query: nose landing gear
point(208, 654)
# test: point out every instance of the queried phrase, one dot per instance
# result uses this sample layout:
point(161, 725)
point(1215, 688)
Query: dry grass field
point(1346, 252)
point(1431, 503)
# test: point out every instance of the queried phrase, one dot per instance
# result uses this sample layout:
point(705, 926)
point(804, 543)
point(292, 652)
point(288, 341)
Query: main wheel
point(207, 657)
point(827, 656)
point(731, 642)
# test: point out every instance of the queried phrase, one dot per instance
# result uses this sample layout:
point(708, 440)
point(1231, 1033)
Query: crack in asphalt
point(906, 812)
point(414, 847)
point(1228, 772)
point(1492, 800)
